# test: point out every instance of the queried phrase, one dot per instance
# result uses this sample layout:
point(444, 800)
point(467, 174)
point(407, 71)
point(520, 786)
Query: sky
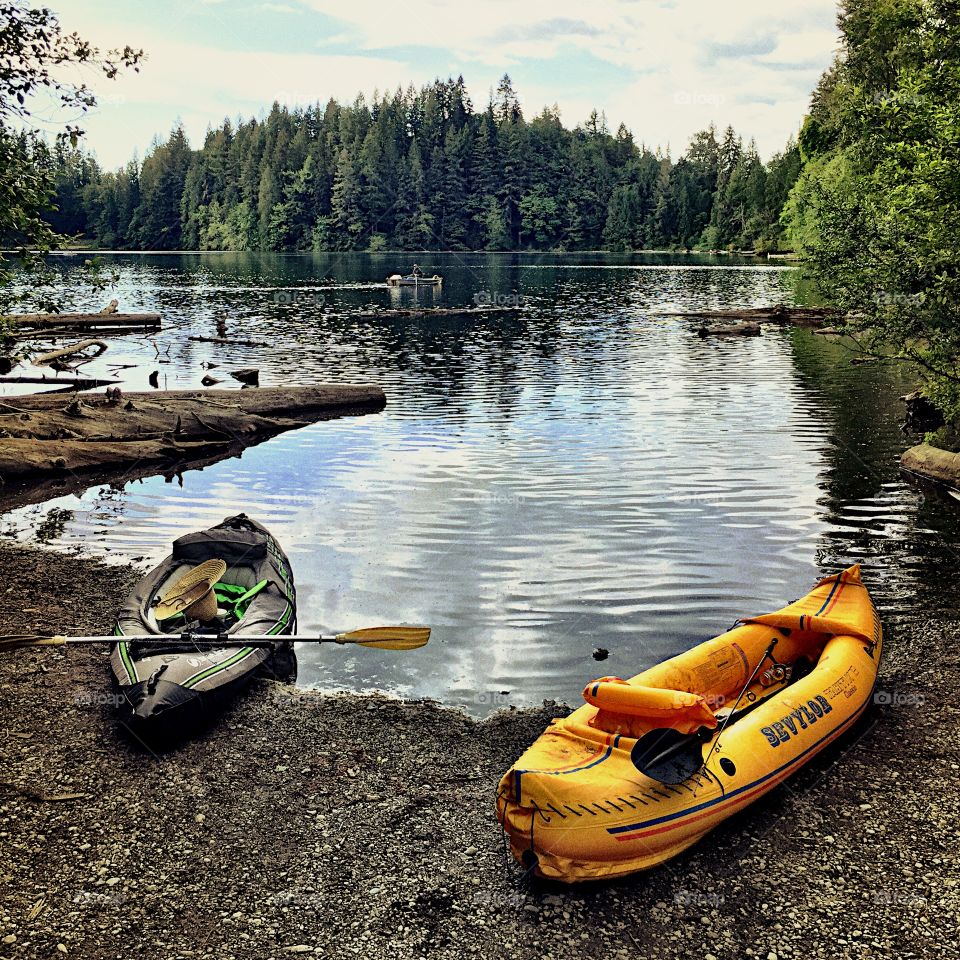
point(665, 68)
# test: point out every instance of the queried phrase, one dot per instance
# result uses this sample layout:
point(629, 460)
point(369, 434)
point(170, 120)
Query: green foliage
point(35, 57)
point(877, 206)
point(421, 169)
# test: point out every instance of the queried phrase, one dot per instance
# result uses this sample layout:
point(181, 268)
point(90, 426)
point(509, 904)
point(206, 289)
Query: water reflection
point(584, 472)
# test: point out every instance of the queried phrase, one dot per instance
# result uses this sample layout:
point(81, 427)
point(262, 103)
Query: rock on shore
point(349, 826)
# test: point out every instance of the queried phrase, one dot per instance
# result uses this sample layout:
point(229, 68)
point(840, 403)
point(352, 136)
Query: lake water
point(586, 473)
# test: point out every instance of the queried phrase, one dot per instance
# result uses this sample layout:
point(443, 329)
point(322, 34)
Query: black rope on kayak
point(531, 861)
point(713, 778)
point(545, 818)
point(502, 820)
point(767, 654)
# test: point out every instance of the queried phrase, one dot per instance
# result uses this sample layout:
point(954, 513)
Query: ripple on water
point(588, 472)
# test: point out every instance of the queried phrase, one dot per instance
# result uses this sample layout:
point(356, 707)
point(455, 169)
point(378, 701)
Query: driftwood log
point(227, 342)
point(86, 321)
point(780, 313)
point(730, 330)
point(439, 311)
point(76, 348)
point(61, 383)
point(932, 463)
point(41, 435)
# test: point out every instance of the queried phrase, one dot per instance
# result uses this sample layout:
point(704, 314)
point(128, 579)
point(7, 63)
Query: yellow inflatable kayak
point(651, 764)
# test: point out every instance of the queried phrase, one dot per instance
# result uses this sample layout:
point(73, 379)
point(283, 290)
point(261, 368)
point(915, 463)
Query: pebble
point(419, 872)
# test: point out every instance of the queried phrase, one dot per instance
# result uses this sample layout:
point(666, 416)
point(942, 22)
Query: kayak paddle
point(381, 638)
point(672, 757)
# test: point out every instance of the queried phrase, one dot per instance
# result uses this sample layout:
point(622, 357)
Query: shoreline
point(345, 825)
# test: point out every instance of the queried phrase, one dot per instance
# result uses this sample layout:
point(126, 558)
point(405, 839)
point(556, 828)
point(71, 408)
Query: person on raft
point(416, 271)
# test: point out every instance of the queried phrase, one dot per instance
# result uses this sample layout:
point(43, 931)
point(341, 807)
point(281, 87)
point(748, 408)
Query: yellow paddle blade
point(17, 641)
point(387, 638)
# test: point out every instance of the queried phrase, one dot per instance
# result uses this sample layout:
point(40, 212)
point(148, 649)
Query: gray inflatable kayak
point(169, 690)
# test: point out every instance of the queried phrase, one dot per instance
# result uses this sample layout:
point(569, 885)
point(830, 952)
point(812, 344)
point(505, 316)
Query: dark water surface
point(585, 473)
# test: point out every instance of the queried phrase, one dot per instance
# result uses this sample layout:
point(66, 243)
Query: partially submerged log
point(61, 384)
point(439, 311)
point(932, 463)
point(228, 342)
point(85, 321)
point(779, 313)
point(730, 330)
point(41, 435)
point(73, 349)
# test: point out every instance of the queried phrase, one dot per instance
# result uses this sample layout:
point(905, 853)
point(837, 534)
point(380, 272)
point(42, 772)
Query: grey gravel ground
point(362, 826)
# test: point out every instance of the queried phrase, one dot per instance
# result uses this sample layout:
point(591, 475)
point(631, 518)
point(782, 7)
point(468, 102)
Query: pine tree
point(347, 203)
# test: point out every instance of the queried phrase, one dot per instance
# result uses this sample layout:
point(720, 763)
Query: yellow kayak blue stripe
point(518, 774)
point(681, 814)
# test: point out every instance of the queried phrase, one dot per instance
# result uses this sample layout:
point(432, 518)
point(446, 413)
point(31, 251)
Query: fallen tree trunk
point(42, 435)
point(228, 342)
point(62, 383)
point(85, 321)
point(438, 311)
point(779, 313)
point(54, 332)
point(45, 358)
point(932, 463)
point(731, 330)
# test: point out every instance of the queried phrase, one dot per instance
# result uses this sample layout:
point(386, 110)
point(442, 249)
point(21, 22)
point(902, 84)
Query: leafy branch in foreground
point(34, 50)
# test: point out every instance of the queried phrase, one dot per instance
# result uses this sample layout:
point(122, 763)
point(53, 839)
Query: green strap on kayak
point(237, 599)
point(234, 599)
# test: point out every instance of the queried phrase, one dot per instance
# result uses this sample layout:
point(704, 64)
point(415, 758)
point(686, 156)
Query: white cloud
point(200, 85)
point(665, 69)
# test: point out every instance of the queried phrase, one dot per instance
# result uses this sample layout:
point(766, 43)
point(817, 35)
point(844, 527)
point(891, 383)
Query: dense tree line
point(422, 169)
point(876, 210)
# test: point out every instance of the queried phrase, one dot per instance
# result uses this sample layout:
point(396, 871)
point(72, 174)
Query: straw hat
point(192, 595)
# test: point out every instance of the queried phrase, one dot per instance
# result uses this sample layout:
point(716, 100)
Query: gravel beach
point(344, 826)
